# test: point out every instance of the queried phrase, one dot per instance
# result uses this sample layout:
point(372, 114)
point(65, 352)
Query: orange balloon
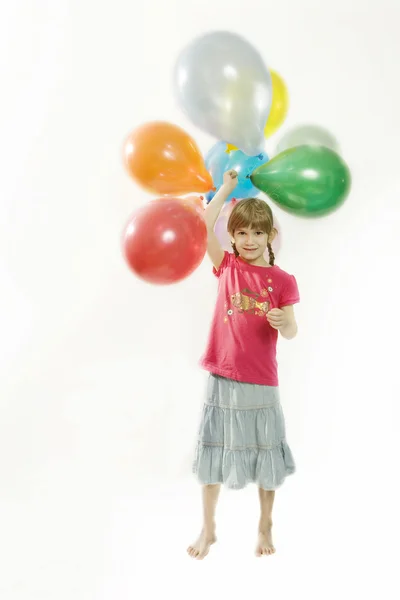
point(164, 159)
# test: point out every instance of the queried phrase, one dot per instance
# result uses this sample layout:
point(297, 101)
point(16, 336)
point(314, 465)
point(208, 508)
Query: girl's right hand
point(230, 180)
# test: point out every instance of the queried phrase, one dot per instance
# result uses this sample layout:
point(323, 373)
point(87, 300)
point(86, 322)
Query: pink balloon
point(221, 230)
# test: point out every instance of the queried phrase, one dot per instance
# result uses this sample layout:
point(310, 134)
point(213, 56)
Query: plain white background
point(100, 392)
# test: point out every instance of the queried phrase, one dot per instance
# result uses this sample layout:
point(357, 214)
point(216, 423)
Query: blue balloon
point(218, 160)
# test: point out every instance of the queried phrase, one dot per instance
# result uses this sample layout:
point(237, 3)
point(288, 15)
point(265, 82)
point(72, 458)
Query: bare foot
point(201, 547)
point(265, 547)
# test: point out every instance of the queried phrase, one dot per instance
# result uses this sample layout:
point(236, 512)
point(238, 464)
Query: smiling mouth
point(249, 249)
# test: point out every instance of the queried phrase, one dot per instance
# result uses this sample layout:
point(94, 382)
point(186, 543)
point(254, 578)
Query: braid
point(271, 254)
point(234, 249)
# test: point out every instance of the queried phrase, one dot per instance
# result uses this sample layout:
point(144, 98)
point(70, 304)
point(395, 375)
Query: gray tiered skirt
point(242, 436)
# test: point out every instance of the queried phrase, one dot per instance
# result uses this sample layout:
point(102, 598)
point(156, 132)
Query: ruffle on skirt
point(242, 436)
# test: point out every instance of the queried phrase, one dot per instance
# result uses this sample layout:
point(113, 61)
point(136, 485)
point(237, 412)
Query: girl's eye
point(259, 232)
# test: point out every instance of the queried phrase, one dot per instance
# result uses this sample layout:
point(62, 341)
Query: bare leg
point(207, 536)
point(265, 546)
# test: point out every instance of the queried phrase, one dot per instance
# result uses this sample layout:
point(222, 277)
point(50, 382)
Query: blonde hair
point(252, 213)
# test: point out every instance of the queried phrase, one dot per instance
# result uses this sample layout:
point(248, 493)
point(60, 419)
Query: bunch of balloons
point(223, 85)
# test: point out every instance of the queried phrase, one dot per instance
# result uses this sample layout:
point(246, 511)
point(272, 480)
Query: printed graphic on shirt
point(249, 302)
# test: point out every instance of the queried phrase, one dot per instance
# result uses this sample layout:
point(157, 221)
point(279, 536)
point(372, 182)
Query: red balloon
point(197, 202)
point(165, 241)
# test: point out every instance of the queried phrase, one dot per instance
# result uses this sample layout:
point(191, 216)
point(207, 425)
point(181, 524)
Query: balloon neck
point(206, 182)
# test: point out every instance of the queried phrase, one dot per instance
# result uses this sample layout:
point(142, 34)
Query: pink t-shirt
point(242, 344)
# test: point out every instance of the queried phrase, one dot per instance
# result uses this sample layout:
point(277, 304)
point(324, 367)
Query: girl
point(242, 431)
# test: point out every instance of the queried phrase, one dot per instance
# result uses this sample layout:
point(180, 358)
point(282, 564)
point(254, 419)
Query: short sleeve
point(290, 292)
point(226, 262)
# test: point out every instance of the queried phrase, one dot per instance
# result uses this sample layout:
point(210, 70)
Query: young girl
point(242, 431)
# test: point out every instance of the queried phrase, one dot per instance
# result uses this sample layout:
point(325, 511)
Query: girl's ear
point(272, 235)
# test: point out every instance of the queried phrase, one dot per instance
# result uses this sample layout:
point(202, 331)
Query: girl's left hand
point(277, 318)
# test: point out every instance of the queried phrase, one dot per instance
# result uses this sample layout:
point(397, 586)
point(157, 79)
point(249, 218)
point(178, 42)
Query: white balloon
point(308, 135)
point(224, 87)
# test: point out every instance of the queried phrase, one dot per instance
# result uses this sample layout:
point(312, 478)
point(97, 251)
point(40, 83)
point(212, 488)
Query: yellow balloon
point(230, 148)
point(279, 106)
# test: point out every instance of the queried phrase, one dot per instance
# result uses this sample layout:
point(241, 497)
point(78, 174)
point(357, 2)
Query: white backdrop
point(100, 392)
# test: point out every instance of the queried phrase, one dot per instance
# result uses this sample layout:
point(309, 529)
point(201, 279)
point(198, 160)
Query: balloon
point(219, 160)
point(165, 241)
point(279, 106)
point(308, 135)
point(164, 159)
point(224, 87)
point(195, 202)
point(221, 230)
point(306, 181)
point(216, 161)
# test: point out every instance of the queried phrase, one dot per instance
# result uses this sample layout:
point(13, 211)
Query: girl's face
point(250, 243)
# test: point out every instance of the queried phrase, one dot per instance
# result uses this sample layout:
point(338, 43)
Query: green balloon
point(308, 181)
